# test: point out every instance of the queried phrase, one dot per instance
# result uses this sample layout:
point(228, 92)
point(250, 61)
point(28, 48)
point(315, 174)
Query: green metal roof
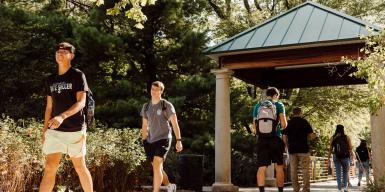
point(307, 23)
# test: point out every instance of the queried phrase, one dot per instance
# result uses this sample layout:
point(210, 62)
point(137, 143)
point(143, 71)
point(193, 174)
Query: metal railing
point(319, 170)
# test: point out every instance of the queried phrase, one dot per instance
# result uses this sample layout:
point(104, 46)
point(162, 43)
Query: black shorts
point(270, 150)
point(158, 148)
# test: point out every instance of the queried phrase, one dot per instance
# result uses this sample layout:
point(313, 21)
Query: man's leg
point(51, 166)
point(261, 176)
point(83, 173)
point(304, 159)
point(157, 168)
point(165, 180)
point(277, 150)
point(280, 175)
point(294, 172)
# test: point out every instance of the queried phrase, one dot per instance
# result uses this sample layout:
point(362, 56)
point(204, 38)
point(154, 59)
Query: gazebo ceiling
point(299, 48)
point(327, 75)
point(306, 67)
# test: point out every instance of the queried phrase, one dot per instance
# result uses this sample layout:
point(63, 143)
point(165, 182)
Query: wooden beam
point(303, 56)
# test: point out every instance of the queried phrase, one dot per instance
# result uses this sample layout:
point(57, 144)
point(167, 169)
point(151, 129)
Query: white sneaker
point(171, 187)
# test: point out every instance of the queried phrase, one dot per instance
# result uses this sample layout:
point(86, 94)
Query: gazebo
point(301, 47)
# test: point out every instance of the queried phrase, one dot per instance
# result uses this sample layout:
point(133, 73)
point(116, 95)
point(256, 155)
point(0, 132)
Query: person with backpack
point(296, 136)
point(268, 119)
point(341, 147)
point(157, 134)
point(363, 158)
point(64, 130)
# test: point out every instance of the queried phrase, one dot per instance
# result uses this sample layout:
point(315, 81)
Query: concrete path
point(325, 186)
point(315, 187)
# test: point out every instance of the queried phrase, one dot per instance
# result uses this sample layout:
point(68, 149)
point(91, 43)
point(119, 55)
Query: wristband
point(178, 139)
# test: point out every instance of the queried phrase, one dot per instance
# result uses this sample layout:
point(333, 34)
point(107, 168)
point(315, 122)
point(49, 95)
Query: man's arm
point(144, 128)
point(79, 105)
point(48, 112)
point(282, 120)
point(175, 126)
point(47, 117)
point(311, 136)
point(254, 127)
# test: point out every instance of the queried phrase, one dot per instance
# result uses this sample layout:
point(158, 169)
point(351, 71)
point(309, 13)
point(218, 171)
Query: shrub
point(376, 187)
point(114, 158)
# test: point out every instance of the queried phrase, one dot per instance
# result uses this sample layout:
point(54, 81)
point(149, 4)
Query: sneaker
point(171, 187)
point(346, 189)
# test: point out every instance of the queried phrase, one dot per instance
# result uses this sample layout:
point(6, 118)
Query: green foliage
point(376, 187)
point(243, 158)
point(114, 158)
point(326, 107)
point(134, 12)
point(371, 68)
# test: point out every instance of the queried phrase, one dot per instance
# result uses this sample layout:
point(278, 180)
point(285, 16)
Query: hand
point(144, 135)
point(179, 146)
point(55, 122)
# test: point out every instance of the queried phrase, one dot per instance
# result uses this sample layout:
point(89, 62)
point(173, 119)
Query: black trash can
point(190, 171)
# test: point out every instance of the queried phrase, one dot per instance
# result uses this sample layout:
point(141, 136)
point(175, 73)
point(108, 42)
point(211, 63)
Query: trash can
point(190, 171)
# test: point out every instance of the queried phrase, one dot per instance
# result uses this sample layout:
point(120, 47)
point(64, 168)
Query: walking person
point(296, 136)
point(268, 119)
point(157, 134)
point(64, 130)
point(363, 158)
point(341, 146)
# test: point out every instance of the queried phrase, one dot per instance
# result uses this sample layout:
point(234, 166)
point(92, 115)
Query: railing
point(319, 170)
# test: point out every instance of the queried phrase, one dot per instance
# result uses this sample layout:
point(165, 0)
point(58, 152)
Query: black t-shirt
point(63, 89)
point(363, 153)
point(297, 131)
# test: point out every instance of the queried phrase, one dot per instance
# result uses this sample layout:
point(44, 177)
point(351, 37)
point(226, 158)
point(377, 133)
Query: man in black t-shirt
point(296, 136)
point(64, 120)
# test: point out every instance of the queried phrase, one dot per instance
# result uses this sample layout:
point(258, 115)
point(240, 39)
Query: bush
point(114, 158)
point(376, 187)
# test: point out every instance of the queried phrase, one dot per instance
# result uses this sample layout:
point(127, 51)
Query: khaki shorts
point(70, 143)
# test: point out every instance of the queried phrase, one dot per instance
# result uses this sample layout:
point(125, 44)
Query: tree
point(371, 68)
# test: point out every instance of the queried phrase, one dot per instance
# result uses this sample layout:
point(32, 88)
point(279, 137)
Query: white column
point(222, 132)
point(378, 143)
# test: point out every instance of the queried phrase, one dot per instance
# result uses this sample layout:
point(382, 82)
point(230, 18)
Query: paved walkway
point(315, 187)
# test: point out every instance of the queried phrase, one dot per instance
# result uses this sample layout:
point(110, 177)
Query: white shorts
point(71, 143)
